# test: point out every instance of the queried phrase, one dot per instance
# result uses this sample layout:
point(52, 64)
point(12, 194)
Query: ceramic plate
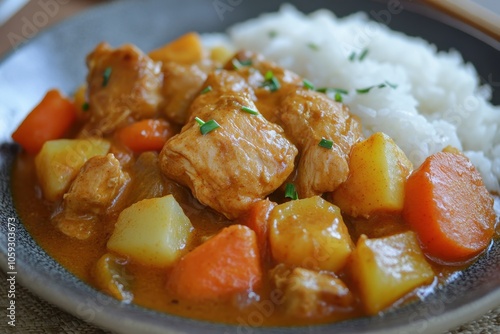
point(56, 59)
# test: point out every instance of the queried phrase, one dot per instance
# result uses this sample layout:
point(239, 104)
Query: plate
point(56, 59)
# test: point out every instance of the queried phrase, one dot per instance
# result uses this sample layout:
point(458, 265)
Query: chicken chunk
point(254, 71)
point(93, 192)
point(232, 166)
point(307, 293)
point(181, 85)
point(307, 117)
point(123, 85)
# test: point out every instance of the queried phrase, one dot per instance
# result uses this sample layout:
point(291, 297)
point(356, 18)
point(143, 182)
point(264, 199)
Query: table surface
point(34, 315)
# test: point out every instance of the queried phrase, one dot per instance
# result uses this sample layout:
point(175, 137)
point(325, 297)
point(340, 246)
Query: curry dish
point(224, 187)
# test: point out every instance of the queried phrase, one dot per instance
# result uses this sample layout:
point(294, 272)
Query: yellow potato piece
point(309, 233)
point(385, 269)
point(378, 170)
point(59, 161)
point(153, 232)
point(186, 49)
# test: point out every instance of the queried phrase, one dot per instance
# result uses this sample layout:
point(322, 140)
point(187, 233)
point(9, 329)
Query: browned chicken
point(94, 191)
point(232, 166)
point(307, 117)
point(182, 83)
point(307, 293)
point(123, 85)
point(268, 81)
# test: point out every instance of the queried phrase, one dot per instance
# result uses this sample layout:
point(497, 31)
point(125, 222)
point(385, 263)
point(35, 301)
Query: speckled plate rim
point(64, 290)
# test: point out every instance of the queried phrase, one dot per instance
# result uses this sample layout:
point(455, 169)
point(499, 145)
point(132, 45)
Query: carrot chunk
point(146, 135)
point(450, 209)
point(257, 219)
point(227, 263)
point(50, 119)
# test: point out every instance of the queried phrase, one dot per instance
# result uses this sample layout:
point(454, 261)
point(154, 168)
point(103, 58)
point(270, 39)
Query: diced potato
point(59, 161)
point(111, 277)
point(186, 49)
point(152, 232)
point(309, 233)
point(386, 269)
point(221, 54)
point(378, 170)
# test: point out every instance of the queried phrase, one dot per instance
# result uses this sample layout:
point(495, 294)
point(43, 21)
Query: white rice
point(437, 101)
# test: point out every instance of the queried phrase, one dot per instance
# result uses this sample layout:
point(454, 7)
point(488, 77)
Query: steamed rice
point(437, 99)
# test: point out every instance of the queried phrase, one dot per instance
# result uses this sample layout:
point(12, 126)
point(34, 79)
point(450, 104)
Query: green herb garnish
point(382, 85)
point(206, 90)
point(272, 34)
point(353, 56)
point(271, 81)
point(326, 143)
point(206, 127)
point(308, 84)
point(237, 64)
point(291, 192)
point(106, 75)
point(338, 97)
point(249, 110)
point(313, 46)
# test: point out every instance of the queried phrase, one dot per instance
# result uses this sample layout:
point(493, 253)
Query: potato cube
point(59, 161)
point(153, 231)
point(309, 233)
point(385, 269)
point(378, 170)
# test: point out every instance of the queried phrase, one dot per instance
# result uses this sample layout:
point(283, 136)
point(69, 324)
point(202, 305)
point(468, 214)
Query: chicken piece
point(254, 68)
point(307, 293)
point(182, 83)
point(232, 166)
point(307, 117)
point(123, 86)
point(93, 192)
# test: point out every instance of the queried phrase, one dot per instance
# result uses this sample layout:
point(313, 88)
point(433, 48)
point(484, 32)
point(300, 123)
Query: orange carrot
point(50, 119)
point(450, 209)
point(227, 263)
point(146, 135)
point(257, 219)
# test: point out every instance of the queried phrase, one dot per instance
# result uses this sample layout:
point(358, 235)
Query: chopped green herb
point(313, 46)
point(237, 64)
point(106, 75)
point(382, 85)
point(206, 127)
point(246, 62)
point(326, 143)
point(199, 121)
point(363, 54)
point(206, 90)
point(332, 90)
point(249, 110)
point(291, 192)
point(338, 97)
point(353, 56)
point(308, 84)
point(271, 81)
point(85, 106)
point(272, 34)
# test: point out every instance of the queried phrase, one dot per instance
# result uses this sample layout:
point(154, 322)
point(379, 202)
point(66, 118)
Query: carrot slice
point(257, 218)
point(450, 209)
point(146, 135)
point(227, 263)
point(49, 120)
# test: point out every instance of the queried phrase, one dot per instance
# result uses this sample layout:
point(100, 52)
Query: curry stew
point(219, 186)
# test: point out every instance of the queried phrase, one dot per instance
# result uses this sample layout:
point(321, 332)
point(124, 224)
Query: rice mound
point(429, 99)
